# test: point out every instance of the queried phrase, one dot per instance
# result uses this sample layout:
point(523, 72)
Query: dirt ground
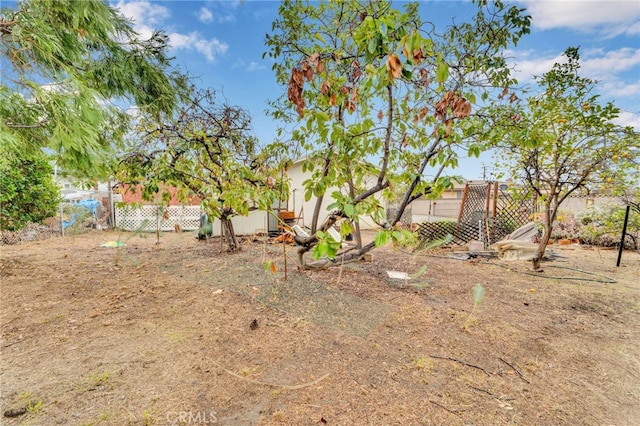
point(182, 333)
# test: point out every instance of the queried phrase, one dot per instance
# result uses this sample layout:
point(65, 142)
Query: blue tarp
point(89, 204)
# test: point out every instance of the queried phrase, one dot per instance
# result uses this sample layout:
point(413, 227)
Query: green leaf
point(349, 210)
point(345, 228)
point(372, 46)
point(442, 71)
point(381, 238)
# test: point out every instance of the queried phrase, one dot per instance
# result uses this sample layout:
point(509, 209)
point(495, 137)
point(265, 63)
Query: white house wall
point(304, 209)
point(254, 223)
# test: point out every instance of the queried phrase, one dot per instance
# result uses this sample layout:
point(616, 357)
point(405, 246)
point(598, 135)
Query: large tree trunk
point(229, 234)
point(550, 212)
point(355, 223)
point(542, 246)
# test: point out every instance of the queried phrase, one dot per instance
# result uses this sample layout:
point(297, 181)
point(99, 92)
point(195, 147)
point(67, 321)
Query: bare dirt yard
point(182, 333)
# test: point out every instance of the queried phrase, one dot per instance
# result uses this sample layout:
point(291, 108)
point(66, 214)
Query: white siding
point(298, 205)
point(254, 223)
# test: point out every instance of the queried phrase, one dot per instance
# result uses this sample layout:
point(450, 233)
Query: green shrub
point(603, 226)
point(28, 192)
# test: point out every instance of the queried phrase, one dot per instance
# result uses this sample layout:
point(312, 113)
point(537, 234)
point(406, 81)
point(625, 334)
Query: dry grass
point(165, 337)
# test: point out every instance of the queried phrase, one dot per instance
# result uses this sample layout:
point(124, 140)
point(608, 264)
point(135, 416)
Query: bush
point(603, 226)
point(565, 226)
point(28, 192)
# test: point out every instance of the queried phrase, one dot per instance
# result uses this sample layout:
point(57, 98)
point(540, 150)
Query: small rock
point(15, 412)
point(254, 324)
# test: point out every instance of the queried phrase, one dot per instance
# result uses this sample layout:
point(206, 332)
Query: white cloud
point(143, 12)
point(598, 63)
point(205, 15)
point(194, 41)
point(610, 69)
point(148, 15)
point(527, 64)
point(221, 12)
point(595, 63)
point(627, 118)
point(145, 15)
point(255, 66)
point(619, 89)
point(610, 17)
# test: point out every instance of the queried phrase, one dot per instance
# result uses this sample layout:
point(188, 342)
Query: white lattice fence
point(146, 218)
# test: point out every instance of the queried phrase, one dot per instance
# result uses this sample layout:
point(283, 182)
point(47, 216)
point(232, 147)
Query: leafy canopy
point(68, 66)
point(28, 192)
point(206, 149)
point(562, 139)
point(380, 99)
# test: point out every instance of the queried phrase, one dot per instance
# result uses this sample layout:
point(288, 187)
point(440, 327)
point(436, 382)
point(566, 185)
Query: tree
point(561, 140)
point(632, 198)
point(27, 191)
point(206, 149)
point(67, 69)
point(377, 92)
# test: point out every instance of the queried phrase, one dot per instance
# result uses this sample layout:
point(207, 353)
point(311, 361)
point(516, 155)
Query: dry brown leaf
point(349, 105)
point(449, 97)
point(417, 55)
point(394, 66)
point(355, 70)
point(441, 107)
point(466, 109)
point(297, 77)
point(325, 87)
point(307, 71)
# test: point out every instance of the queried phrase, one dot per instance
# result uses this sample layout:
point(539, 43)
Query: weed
point(99, 379)
point(478, 296)
point(176, 336)
point(147, 416)
point(422, 363)
point(247, 371)
point(34, 407)
point(532, 365)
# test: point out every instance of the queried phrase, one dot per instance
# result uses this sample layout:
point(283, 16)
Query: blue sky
point(222, 42)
